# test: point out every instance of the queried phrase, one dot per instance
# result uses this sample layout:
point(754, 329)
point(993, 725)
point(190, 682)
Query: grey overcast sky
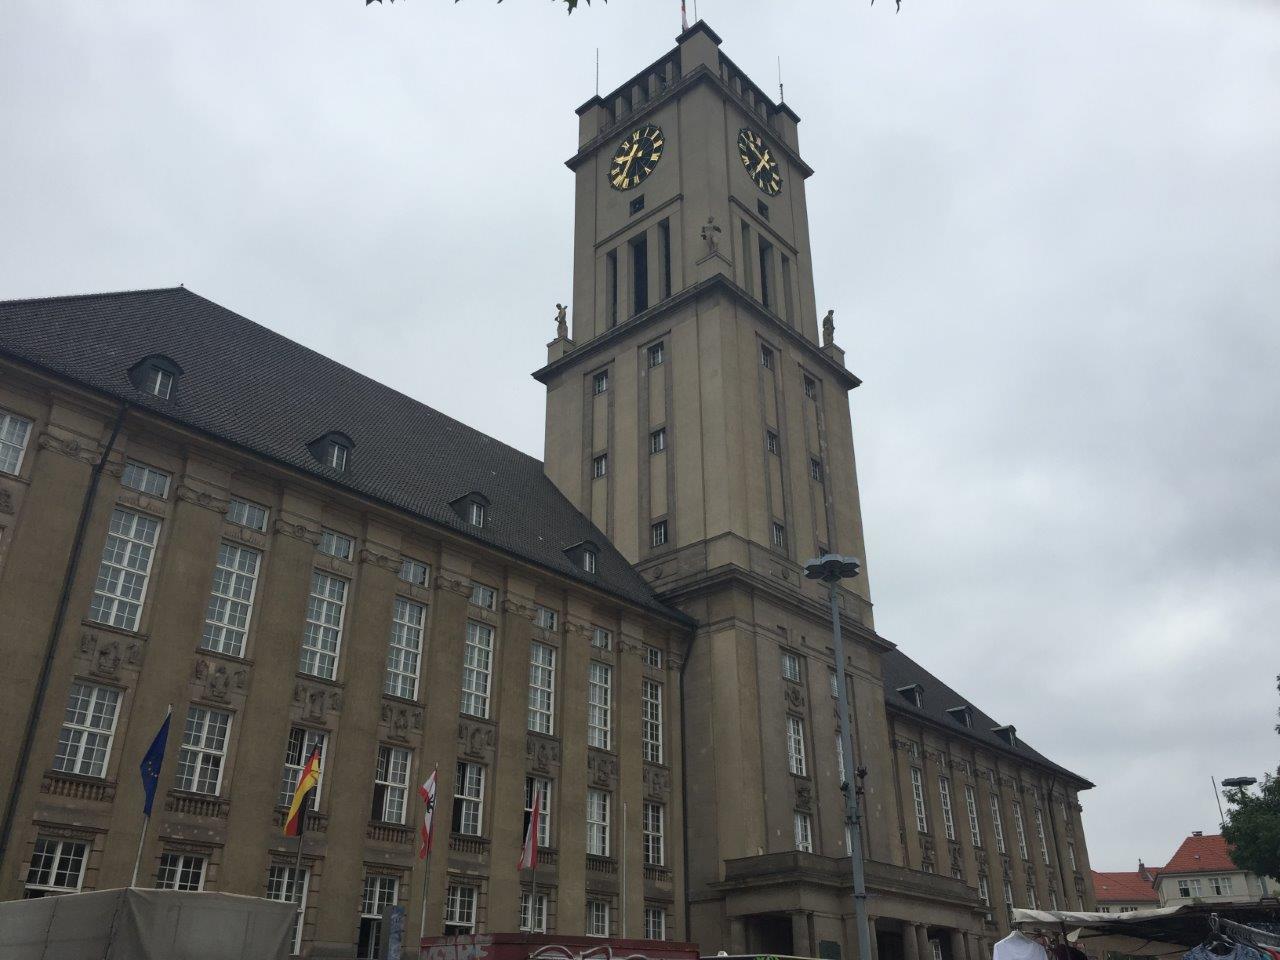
point(1051, 233)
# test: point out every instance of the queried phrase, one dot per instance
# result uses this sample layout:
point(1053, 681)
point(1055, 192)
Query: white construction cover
point(145, 925)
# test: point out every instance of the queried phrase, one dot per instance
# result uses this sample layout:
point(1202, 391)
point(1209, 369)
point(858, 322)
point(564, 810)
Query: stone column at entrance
point(926, 948)
point(800, 944)
point(737, 935)
point(911, 942)
point(871, 933)
point(976, 951)
point(959, 950)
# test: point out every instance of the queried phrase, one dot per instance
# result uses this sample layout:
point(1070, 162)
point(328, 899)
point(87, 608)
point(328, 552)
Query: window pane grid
point(246, 514)
point(460, 909)
point(122, 574)
point(543, 788)
point(651, 721)
point(477, 661)
point(598, 823)
point(542, 687)
point(180, 871)
point(599, 691)
point(14, 432)
point(235, 581)
point(289, 885)
point(322, 635)
point(917, 797)
point(204, 743)
point(145, 479)
point(468, 799)
point(302, 741)
point(654, 816)
point(404, 649)
point(948, 820)
point(795, 746)
point(391, 784)
point(57, 866)
point(88, 727)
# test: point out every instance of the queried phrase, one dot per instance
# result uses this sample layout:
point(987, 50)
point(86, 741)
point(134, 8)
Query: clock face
point(636, 157)
point(759, 161)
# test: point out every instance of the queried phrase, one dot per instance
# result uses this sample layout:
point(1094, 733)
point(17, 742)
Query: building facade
point(1201, 871)
point(196, 512)
point(1123, 891)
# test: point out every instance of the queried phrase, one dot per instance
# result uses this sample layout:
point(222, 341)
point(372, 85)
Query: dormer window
point(1008, 733)
point(589, 561)
point(961, 715)
point(913, 694)
point(585, 555)
point(333, 450)
point(156, 375)
point(473, 508)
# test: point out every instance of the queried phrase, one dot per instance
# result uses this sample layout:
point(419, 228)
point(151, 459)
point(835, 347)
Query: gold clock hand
point(764, 160)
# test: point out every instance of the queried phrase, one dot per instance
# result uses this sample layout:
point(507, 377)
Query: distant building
point(1202, 871)
point(1123, 891)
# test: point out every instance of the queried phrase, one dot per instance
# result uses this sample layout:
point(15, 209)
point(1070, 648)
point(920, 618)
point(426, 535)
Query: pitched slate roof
point(1123, 887)
point(901, 671)
point(1200, 853)
point(244, 384)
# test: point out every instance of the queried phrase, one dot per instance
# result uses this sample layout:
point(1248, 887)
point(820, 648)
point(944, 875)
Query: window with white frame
point(468, 799)
point(302, 742)
point(840, 771)
point(1008, 895)
point(835, 684)
point(88, 728)
point(14, 433)
point(771, 442)
point(546, 618)
point(415, 572)
point(391, 785)
point(597, 918)
point(145, 479)
point(460, 909)
point(658, 534)
point(404, 648)
point(542, 687)
point(288, 884)
point(658, 440)
point(935, 948)
point(533, 912)
point(379, 893)
point(815, 469)
point(948, 820)
point(477, 666)
point(598, 823)
point(204, 747)
point(652, 657)
point(121, 586)
point(779, 536)
point(589, 560)
point(57, 866)
point(1044, 847)
point(159, 383)
point(790, 666)
point(1071, 855)
point(654, 820)
point(600, 383)
point(651, 720)
point(766, 357)
point(656, 354)
point(247, 514)
point(1031, 896)
point(997, 823)
point(322, 635)
point(984, 890)
point(599, 704)
point(795, 747)
point(655, 923)
point(804, 832)
point(335, 455)
point(971, 807)
point(335, 544)
point(483, 596)
point(1020, 831)
point(235, 582)
point(181, 871)
point(1221, 886)
point(917, 797)
point(540, 787)
point(600, 466)
point(810, 388)
point(477, 515)
point(601, 638)
point(1189, 888)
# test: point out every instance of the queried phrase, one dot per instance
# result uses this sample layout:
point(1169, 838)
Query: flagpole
point(426, 879)
point(161, 740)
point(137, 860)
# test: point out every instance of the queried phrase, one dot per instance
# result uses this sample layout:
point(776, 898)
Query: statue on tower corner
point(562, 325)
point(829, 328)
point(711, 234)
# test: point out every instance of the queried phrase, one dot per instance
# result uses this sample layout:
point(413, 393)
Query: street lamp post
point(831, 569)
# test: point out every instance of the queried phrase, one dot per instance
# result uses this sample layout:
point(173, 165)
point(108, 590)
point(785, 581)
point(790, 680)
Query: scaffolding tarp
point(145, 925)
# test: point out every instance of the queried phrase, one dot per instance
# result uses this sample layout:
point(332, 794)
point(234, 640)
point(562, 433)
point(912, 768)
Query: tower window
point(611, 284)
point(810, 388)
point(600, 383)
point(815, 469)
point(658, 534)
point(771, 442)
point(766, 275)
point(664, 239)
point(779, 536)
point(766, 357)
point(658, 440)
point(639, 275)
point(785, 312)
point(637, 204)
point(763, 208)
point(656, 354)
point(600, 466)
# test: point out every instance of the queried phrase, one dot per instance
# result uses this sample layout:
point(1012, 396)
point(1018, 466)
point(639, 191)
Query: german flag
point(307, 782)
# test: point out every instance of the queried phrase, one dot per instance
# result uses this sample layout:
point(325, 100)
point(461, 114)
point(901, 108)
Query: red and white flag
point(529, 852)
point(428, 793)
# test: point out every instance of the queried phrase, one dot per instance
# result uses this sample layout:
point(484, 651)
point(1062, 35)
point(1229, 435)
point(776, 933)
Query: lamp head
point(831, 568)
point(1239, 781)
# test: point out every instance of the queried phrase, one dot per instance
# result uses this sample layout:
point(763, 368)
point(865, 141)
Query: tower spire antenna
point(781, 96)
point(597, 71)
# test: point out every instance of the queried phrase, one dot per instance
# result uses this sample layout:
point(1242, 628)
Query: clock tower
point(697, 417)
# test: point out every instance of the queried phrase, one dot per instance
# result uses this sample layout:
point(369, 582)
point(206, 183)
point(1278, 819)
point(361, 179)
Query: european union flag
point(150, 767)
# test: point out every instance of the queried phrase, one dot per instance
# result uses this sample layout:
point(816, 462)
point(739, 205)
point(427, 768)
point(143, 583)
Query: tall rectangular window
point(600, 466)
point(88, 728)
point(948, 819)
point(785, 311)
point(244, 513)
point(303, 741)
point(790, 666)
point(1031, 896)
point(204, 746)
point(984, 891)
point(533, 912)
point(658, 440)
point(747, 283)
point(601, 638)
point(779, 536)
point(997, 824)
point(541, 788)
point(14, 433)
point(57, 866)
point(597, 918)
point(379, 894)
point(971, 806)
point(145, 479)
point(404, 649)
point(1020, 831)
point(654, 822)
point(664, 239)
point(542, 687)
point(611, 285)
point(804, 832)
point(322, 635)
point(1071, 855)
point(766, 357)
point(1044, 847)
point(477, 665)
point(180, 871)
point(795, 746)
point(600, 383)
point(235, 581)
point(639, 274)
point(766, 275)
point(121, 586)
point(597, 823)
point(391, 785)
point(917, 797)
point(651, 720)
point(468, 799)
point(658, 534)
point(460, 909)
point(289, 885)
point(656, 354)
point(599, 704)
point(1008, 896)
point(655, 923)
